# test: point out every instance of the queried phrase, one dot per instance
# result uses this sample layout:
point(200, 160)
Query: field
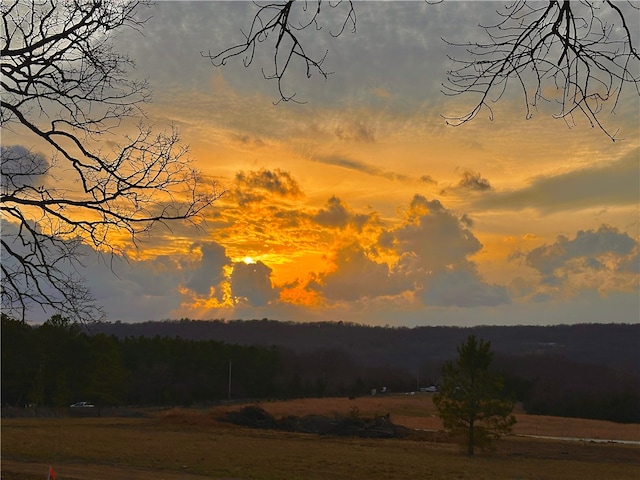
point(192, 444)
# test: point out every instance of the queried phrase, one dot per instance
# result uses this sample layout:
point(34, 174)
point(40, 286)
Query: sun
point(248, 260)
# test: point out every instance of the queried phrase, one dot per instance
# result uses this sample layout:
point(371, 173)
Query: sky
point(360, 203)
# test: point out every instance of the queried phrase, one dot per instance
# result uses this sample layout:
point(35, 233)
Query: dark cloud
point(132, 289)
point(210, 272)
point(252, 282)
point(588, 248)
point(19, 167)
point(631, 264)
point(466, 220)
point(433, 233)
point(473, 181)
point(428, 179)
point(357, 276)
point(128, 289)
point(337, 215)
point(248, 140)
point(350, 164)
point(254, 186)
point(334, 215)
point(613, 184)
point(462, 288)
point(21, 253)
point(432, 248)
point(420, 207)
point(470, 181)
point(289, 218)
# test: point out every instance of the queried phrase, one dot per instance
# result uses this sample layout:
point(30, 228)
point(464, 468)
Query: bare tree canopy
point(281, 25)
point(66, 89)
point(583, 51)
point(577, 54)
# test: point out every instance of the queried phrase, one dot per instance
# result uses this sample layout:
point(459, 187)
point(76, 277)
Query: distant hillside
point(611, 345)
point(587, 371)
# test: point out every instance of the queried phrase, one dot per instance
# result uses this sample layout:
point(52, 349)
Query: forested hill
point(589, 371)
point(613, 345)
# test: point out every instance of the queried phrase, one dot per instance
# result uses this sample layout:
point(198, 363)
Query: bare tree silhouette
point(66, 89)
point(584, 50)
point(282, 24)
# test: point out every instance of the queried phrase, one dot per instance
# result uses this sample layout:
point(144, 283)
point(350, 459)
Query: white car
point(82, 405)
point(431, 389)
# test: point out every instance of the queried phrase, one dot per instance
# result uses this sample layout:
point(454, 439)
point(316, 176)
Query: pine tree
point(470, 400)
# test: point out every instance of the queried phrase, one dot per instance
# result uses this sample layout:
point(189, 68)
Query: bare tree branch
point(577, 49)
point(583, 50)
point(65, 86)
point(282, 23)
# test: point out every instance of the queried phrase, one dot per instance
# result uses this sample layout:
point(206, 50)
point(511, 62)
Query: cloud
point(352, 121)
point(254, 186)
point(128, 289)
point(289, 218)
point(248, 140)
point(615, 183)
point(433, 233)
point(604, 260)
point(355, 131)
point(209, 273)
point(357, 276)
point(587, 245)
point(252, 282)
point(434, 246)
point(214, 276)
point(462, 288)
point(470, 181)
point(424, 258)
point(211, 281)
point(337, 215)
point(25, 249)
point(334, 215)
point(428, 179)
point(630, 264)
point(350, 164)
point(473, 181)
point(520, 287)
point(20, 167)
point(134, 290)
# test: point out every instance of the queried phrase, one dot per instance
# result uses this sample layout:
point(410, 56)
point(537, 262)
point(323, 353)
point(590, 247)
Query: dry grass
point(418, 411)
point(185, 444)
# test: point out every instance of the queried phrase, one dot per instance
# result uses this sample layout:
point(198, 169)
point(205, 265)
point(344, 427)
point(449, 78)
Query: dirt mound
point(339, 425)
point(252, 416)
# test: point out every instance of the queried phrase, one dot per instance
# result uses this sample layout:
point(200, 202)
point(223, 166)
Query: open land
point(193, 444)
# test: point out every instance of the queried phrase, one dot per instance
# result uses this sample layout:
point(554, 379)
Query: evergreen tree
point(471, 401)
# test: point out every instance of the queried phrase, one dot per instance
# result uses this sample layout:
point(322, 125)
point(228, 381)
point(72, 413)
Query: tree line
point(60, 362)
point(610, 344)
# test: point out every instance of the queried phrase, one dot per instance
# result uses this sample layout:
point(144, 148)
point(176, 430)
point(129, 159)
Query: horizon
point(342, 323)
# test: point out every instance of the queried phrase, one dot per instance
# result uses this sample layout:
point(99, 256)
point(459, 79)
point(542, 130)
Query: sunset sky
point(361, 204)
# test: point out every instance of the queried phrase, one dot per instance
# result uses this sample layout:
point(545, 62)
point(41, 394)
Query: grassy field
point(192, 444)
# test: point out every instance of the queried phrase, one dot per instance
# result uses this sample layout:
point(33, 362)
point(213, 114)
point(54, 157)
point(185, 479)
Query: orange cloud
point(302, 297)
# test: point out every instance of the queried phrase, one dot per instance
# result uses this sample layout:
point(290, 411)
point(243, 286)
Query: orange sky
point(362, 204)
